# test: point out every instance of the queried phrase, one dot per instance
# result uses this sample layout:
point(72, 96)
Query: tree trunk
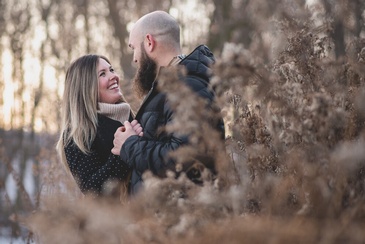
point(219, 33)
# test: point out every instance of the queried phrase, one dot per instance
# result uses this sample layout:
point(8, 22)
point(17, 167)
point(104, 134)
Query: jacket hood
point(198, 62)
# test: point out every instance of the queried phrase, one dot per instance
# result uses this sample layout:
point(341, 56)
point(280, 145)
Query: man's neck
point(167, 55)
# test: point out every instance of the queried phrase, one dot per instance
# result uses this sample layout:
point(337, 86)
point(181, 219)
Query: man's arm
point(144, 154)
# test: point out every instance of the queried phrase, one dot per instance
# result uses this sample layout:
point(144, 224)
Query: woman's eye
point(111, 70)
point(102, 74)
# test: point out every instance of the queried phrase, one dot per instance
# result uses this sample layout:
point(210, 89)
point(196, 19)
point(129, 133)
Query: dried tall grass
point(293, 168)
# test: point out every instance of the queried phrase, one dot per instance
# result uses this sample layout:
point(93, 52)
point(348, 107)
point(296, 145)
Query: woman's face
point(109, 91)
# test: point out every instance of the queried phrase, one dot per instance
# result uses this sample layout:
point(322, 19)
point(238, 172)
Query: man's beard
point(146, 74)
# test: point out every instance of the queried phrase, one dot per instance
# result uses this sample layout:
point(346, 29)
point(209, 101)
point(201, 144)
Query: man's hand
point(123, 133)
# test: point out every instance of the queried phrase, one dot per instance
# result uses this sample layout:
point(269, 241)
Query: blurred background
point(39, 39)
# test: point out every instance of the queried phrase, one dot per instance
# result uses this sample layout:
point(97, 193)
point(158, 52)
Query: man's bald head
point(162, 26)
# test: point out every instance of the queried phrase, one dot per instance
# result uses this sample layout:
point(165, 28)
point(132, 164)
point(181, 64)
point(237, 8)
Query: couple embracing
point(102, 139)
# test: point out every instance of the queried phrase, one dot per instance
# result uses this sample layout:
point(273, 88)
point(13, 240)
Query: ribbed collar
point(119, 112)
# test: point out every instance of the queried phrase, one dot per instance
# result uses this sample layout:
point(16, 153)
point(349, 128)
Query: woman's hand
point(137, 127)
point(123, 133)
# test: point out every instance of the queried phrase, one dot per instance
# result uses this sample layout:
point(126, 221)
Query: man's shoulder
point(198, 64)
point(201, 54)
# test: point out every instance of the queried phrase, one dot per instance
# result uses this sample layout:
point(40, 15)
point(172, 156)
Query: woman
point(93, 108)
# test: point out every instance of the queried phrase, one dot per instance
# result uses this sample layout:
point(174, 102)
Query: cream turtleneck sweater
point(119, 112)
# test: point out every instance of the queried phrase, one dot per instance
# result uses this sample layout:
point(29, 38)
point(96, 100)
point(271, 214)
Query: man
point(155, 41)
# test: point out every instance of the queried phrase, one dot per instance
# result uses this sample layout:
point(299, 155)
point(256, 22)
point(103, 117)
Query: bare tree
point(45, 10)
point(230, 22)
point(347, 22)
point(2, 32)
point(83, 7)
point(19, 26)
point(59, 49)
point(119, 23)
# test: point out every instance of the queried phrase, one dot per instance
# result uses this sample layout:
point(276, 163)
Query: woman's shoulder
point(106, 128)
point(106, 121)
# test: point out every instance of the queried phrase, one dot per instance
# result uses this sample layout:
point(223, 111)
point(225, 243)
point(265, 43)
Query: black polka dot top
point(93, 170)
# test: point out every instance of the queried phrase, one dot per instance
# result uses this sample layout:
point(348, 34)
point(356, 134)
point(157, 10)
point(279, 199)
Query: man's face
point(135, 38)
point(146, 73)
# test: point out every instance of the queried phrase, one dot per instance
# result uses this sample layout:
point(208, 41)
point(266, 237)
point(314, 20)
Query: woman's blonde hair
point(79, 105)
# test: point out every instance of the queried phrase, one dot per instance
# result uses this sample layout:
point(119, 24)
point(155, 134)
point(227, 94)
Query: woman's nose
point(112, 77)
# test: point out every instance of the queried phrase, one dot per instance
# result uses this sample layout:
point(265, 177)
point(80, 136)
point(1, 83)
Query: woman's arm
point(91, 172)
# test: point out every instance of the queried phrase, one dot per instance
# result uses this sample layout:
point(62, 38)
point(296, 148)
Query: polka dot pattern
point(93, 170)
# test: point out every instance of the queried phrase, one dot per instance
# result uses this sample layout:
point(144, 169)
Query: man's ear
point(150, 43)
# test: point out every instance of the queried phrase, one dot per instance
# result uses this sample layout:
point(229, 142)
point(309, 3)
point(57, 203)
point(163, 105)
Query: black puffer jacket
point(149, 152)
